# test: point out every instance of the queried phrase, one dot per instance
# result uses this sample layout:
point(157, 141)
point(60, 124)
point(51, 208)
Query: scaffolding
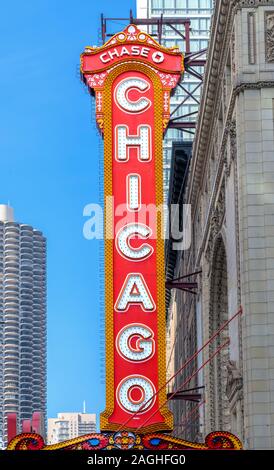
point(192, 60)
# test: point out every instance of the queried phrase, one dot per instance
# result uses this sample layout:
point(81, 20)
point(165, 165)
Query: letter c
point(123, 245)
point(122, 99)
point(102, 57)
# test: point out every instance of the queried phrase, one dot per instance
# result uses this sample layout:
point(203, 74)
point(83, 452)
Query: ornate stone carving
point(233, 139)
point(233, 55)
point(269, 36)
point(231, 126)
point(232, 129)
point(234, 383)
point(238, 4)
point(219, 211)
point(224, 81)
point(216, 222)
point(226, 163)
point(218, 315)
point(209, 249)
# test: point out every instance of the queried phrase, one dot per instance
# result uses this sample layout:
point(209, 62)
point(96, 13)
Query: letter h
point(141, 141)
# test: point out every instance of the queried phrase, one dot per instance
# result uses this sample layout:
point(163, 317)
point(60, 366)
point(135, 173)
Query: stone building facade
point(230, 187)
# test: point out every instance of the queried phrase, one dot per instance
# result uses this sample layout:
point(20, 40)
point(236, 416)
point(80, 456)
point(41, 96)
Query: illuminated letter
point(133, 192)
point(135, 50)
point(124, 51)
point(123, 242)
point(134, 292)
point(134, 392)
point(145, 51)
point(102, 57)
point(135, 343)
point(113, 54)
point(122, 90)
point(141, 141)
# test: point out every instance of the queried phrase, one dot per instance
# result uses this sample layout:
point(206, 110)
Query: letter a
point(134, 292)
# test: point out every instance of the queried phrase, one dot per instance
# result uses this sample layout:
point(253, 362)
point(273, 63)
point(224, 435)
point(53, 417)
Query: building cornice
point(222, 161)
point(240, 4)
point(216, 45)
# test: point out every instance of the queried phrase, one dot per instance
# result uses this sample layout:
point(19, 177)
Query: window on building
point(194, 45)
point(182, 6)
point(193, 6)
point(206, 4)
point(169, 4)
point(180, 43)
point(156, 5)
point(203, 43)
point(169, 42)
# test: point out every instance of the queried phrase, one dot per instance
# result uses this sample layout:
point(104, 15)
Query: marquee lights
point(123, 242)
point(122, 95)
point(141, 141)
point(132, 76)
point(144, 343)
point(135, 292)
point(133, 192)
point(125, 394)
point(134, 51)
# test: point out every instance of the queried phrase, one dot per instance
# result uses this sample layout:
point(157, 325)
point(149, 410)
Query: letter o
point(128, 387)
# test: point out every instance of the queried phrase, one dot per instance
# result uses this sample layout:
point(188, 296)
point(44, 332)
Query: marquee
point(132, 77)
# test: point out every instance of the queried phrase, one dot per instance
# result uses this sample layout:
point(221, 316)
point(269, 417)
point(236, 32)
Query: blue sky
point(49, 172)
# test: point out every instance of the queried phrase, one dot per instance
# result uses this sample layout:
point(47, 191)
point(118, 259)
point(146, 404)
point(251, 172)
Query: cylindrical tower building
point(22, 320)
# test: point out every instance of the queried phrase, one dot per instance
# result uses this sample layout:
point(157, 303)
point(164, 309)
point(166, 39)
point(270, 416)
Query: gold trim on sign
point(109, 43)
point(167, 425)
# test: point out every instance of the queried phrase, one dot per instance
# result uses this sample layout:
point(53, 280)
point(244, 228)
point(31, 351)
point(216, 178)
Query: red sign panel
point(163, 60)
point(132, 108)
point(134, 253)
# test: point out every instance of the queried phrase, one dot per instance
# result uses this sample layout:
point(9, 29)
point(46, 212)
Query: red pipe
point(240, 311)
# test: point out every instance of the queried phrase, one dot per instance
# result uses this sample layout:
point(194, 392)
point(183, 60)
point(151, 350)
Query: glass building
point(199, 12)
point(22, 321)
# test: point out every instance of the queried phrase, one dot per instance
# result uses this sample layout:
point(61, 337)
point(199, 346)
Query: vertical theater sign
point(132, 77)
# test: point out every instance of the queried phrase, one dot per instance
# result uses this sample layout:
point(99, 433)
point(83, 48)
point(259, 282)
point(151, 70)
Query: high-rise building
point(230, 187)
point(22, 320)
point(69, 425)
point(199, 12)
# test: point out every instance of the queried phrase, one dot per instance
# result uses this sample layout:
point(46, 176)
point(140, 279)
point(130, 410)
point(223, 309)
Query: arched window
point(218, 315)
